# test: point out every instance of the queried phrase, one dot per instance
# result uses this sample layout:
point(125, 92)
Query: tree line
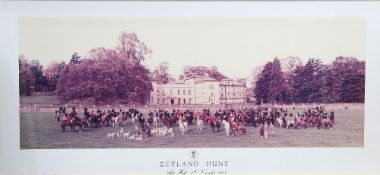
point(290, 81)
point(104, 76)
point(118, 75)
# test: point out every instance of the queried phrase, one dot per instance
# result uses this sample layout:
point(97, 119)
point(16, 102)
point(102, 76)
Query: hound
point(139, 137)
point(126, 135)
point(111, 135)
point(133, 118)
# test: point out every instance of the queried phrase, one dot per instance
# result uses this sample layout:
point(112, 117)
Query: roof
point(229, 82)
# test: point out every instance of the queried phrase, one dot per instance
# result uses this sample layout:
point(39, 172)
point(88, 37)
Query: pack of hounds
point(160, 131)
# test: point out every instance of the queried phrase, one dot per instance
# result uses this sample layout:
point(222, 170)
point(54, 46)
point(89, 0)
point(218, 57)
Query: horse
point(116, 121)
point(182, 127)
point(150, 120)
point(133, 118)
point(146, 130)
point(332, 117)
point(65, 121)
point(200, 124)
point(94, 120)
point(238, 127)
point(290, 122)
point(57, 115)
point(279, 122)
point(226, 126)
point(155, 121)
point(215, 125)
point(125, 119)
point(71, 122)
point(105, 119)
point(328, 123)
point(77, 122)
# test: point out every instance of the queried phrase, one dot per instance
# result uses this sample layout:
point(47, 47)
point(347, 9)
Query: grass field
point(39, 99)
point(41, 130)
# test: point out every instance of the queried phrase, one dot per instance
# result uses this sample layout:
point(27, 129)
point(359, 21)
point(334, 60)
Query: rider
point(183, 118)
point(74, 114)
point(213, 119)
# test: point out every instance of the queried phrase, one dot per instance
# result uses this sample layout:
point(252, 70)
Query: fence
point(54, 107)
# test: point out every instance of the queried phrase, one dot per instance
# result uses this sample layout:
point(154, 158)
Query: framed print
point(189, 88)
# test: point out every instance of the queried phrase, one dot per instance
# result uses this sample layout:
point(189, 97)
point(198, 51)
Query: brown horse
point(105, 120)
point(77, 122)
point(327, 123)
point(238, 127)
point(72, 123)
point(66, 121)
point(215, 126)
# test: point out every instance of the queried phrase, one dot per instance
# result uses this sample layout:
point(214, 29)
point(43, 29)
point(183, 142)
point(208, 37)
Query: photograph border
point(147, 161)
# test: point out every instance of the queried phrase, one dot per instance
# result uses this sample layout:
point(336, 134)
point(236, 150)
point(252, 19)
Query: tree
point(277, 87)
point(213, 72)
point(262, 84)
point(26, 78)
point(108, 75)
point(75, 58)
point(311, 82)
point(40, 81)
point(131, 48)
point(290, 63)
point(160, 74)
point(349, 79)
point(52, 73)
point(270, 86)
point(314, 82)
point(193, 71)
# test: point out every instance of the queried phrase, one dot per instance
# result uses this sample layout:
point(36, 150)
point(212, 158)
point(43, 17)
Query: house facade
point(232, 91)
point(198, 90)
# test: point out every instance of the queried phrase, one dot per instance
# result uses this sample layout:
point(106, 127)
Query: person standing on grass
point(266, 130)
point(261, 130)
point(141, 120)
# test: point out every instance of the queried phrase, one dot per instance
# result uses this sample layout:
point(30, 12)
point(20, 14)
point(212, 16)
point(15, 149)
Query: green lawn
point(41, 130)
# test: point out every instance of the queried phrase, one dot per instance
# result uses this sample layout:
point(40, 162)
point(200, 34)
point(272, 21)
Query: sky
point(235, 45)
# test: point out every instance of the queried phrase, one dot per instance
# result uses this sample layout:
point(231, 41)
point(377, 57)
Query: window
point(163, 92)
point(189, 100)
point(158, 101)
point(184, 92)
point(189, 93)
point(234, 94)
point(211, 86)
point(163, 101)
point(179, 100)
point(152, 100)
point(221, 95)
point(184, 101)
point(178, 93)
point(171, 91)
